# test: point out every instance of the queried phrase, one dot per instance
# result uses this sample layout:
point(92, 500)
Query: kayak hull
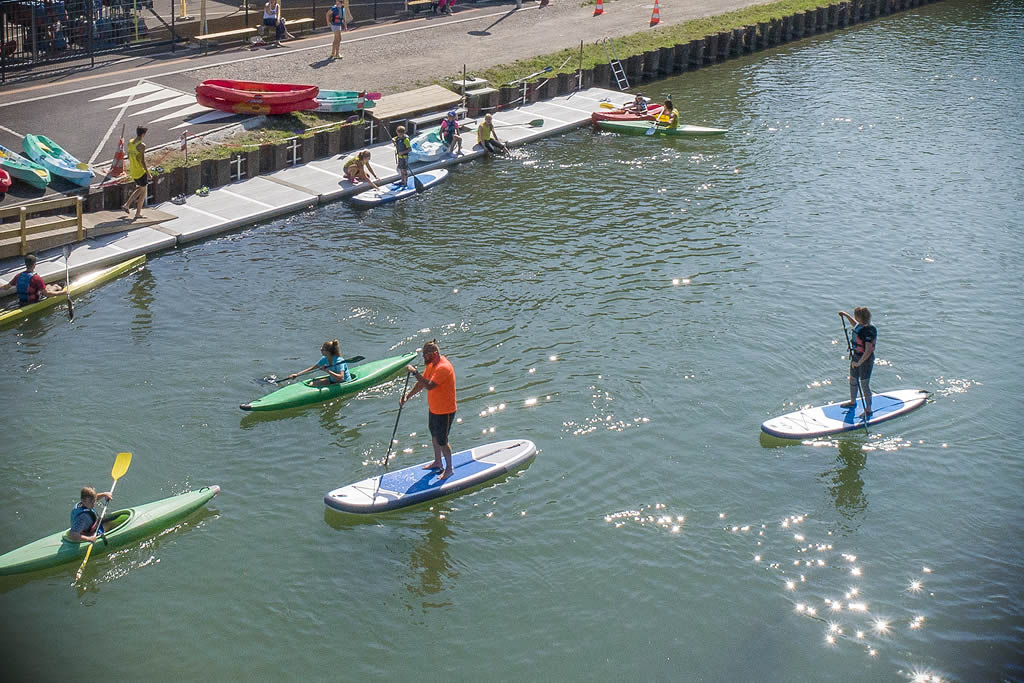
point(641, 128)
point(343, 101)
point(254, 109)
point(78, 286)
point(25, 170)
point(414, 485)
point(624, 115)
point(131, 524)
point(57, 160)
point(832, 419)
point(364, 376)
point(254, 92)
point(395, 191)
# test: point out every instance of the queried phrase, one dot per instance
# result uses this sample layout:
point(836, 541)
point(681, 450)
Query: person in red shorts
point(30, 285)
point(438, 378)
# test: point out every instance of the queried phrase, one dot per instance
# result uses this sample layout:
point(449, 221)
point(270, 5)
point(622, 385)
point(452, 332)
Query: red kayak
point(254, 109)
point(256, 93)
point(625, 115)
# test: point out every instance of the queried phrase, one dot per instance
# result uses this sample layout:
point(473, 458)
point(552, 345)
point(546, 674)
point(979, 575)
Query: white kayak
point(413, 485)
point(394, 191)
point(835, 419)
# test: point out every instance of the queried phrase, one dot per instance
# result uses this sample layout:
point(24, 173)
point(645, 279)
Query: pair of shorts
point(440, 427)
point(267, 21)
point(143, 181)
point(337, 27)
point(403, 163)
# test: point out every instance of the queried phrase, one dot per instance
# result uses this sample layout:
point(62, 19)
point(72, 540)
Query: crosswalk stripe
point(152, 97)
point(140, 89)
point(179, 101)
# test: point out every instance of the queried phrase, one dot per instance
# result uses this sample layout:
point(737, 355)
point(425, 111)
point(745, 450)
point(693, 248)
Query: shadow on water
point(844, 482)
point(141, 297)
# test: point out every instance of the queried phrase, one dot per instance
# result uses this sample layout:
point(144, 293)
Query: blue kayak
point(413, 485)
point(392, 192)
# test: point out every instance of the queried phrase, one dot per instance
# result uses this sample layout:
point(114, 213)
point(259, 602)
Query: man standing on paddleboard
point(439, 380)
point(862, 356)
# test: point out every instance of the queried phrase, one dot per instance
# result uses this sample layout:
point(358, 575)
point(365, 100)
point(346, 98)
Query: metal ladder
point(613, 61)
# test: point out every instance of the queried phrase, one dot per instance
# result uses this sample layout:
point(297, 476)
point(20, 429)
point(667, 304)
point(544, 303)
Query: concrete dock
point(297, 188)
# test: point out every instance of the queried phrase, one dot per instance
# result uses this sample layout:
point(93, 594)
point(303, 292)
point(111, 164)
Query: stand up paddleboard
point(394, 191)
point(413, 485)
point(834, 419)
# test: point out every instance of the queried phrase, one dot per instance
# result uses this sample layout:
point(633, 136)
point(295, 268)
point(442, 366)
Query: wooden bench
point(239, 34)
point(412, 5)
point(32, 234)
point(414, 124)
point(303, 24)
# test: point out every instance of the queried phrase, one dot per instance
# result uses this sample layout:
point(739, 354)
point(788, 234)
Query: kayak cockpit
point(115, 521)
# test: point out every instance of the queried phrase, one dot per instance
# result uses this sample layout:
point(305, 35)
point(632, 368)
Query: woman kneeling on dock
point(332, 363)
point(356, 168)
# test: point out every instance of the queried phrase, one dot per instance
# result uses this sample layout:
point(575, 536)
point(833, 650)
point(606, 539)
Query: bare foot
point(445, 475)
point(847, 404)
point(433, 466)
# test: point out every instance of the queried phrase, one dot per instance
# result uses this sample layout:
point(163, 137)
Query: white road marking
point(179, 101)
point(141, 89)
point(12, 132)
point(113, 124)
point(155, 97)
point(205, 118)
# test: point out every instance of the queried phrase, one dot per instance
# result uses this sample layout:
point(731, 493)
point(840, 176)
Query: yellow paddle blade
point(121, 465)
point(81, 567)
point(82, 165)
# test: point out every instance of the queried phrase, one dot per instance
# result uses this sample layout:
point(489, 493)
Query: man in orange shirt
point(439, 380)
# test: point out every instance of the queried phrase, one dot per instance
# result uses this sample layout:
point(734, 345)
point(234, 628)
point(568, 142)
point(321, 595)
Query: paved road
point(85, 110)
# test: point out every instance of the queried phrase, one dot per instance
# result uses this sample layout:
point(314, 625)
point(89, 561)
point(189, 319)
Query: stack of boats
point(256, 98)
point(46, 159)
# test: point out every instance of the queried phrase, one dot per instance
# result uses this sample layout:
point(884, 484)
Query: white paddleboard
point(394, 191)
point(834, 419)
point(413, 485)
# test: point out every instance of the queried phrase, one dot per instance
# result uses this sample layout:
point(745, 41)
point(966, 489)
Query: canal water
point(635, 306)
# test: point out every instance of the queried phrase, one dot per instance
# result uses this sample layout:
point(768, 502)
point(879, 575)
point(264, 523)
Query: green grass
point(638, 43)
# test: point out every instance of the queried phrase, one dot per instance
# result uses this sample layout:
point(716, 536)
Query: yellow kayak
point(79, 286)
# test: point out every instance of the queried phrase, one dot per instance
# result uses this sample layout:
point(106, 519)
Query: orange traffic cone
point(117, 168)
point(599, 8)
point(655, 17)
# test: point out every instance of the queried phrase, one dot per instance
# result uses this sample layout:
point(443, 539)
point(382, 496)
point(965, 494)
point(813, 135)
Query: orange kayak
point(254, 109)
point(256, 93)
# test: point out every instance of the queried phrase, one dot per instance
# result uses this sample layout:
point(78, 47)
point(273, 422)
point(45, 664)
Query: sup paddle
point(67, 282)
point(121, 464)
point(536, 123)
point(272, 379)
point(860, 391)
point(387, 456)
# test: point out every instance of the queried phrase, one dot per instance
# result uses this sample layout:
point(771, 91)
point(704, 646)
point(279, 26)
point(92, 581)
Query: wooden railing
point(28, 229)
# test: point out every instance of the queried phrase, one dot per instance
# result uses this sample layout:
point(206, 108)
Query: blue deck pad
point(414, 480)
point(881, 406)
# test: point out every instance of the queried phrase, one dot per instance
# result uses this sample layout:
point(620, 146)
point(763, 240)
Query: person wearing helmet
point(450, 133)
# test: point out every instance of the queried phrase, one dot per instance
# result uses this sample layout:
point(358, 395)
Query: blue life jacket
point(77, 511)
point(336, 14)
point(22, 283)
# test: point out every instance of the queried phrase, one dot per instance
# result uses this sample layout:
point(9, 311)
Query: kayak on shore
point(641, 128)
point(56, 159)
point(345, 101)
point(127, 525)
point(78, 286)
point(25, 170)
point(253, 108)
point(364, 376)
point(254, 92)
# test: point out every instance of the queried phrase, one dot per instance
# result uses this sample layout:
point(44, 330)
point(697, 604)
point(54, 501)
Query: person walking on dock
point(438, 378)
point(31, 287)
point(862, 356)
point(338, 21)
point(139, 172)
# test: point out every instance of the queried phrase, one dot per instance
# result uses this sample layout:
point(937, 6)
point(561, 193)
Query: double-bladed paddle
point(67, 281)
point(272, 379)
point(121, 464)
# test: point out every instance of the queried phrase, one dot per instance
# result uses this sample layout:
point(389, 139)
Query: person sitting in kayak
point(487, 138)
point(403, 145)
point(356, 168)
point(31, 287)
point(669, 116)
point(637, 106)
point(86, 525)
point(862, 360)
point(450, 133)
point(332, 363)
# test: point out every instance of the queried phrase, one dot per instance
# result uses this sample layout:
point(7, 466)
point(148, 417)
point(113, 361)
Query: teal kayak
point(23, 169)
point(56, 159)
point(364, 376)
point(428, 146)
point(345, 100)
point(641, 128)
point(126, 526)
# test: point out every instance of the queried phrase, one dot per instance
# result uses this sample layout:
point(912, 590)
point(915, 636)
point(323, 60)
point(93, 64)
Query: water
point(636, 307)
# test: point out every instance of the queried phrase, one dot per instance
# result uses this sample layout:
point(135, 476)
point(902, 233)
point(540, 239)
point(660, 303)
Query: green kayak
point(641, 128)
point(364, 376)
point(126, 526)
point(23, 169)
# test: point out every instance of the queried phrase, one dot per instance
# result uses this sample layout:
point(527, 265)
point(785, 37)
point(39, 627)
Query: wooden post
point(24, 237)
point(711, 49)
point(78, 217)
point(798, 26)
